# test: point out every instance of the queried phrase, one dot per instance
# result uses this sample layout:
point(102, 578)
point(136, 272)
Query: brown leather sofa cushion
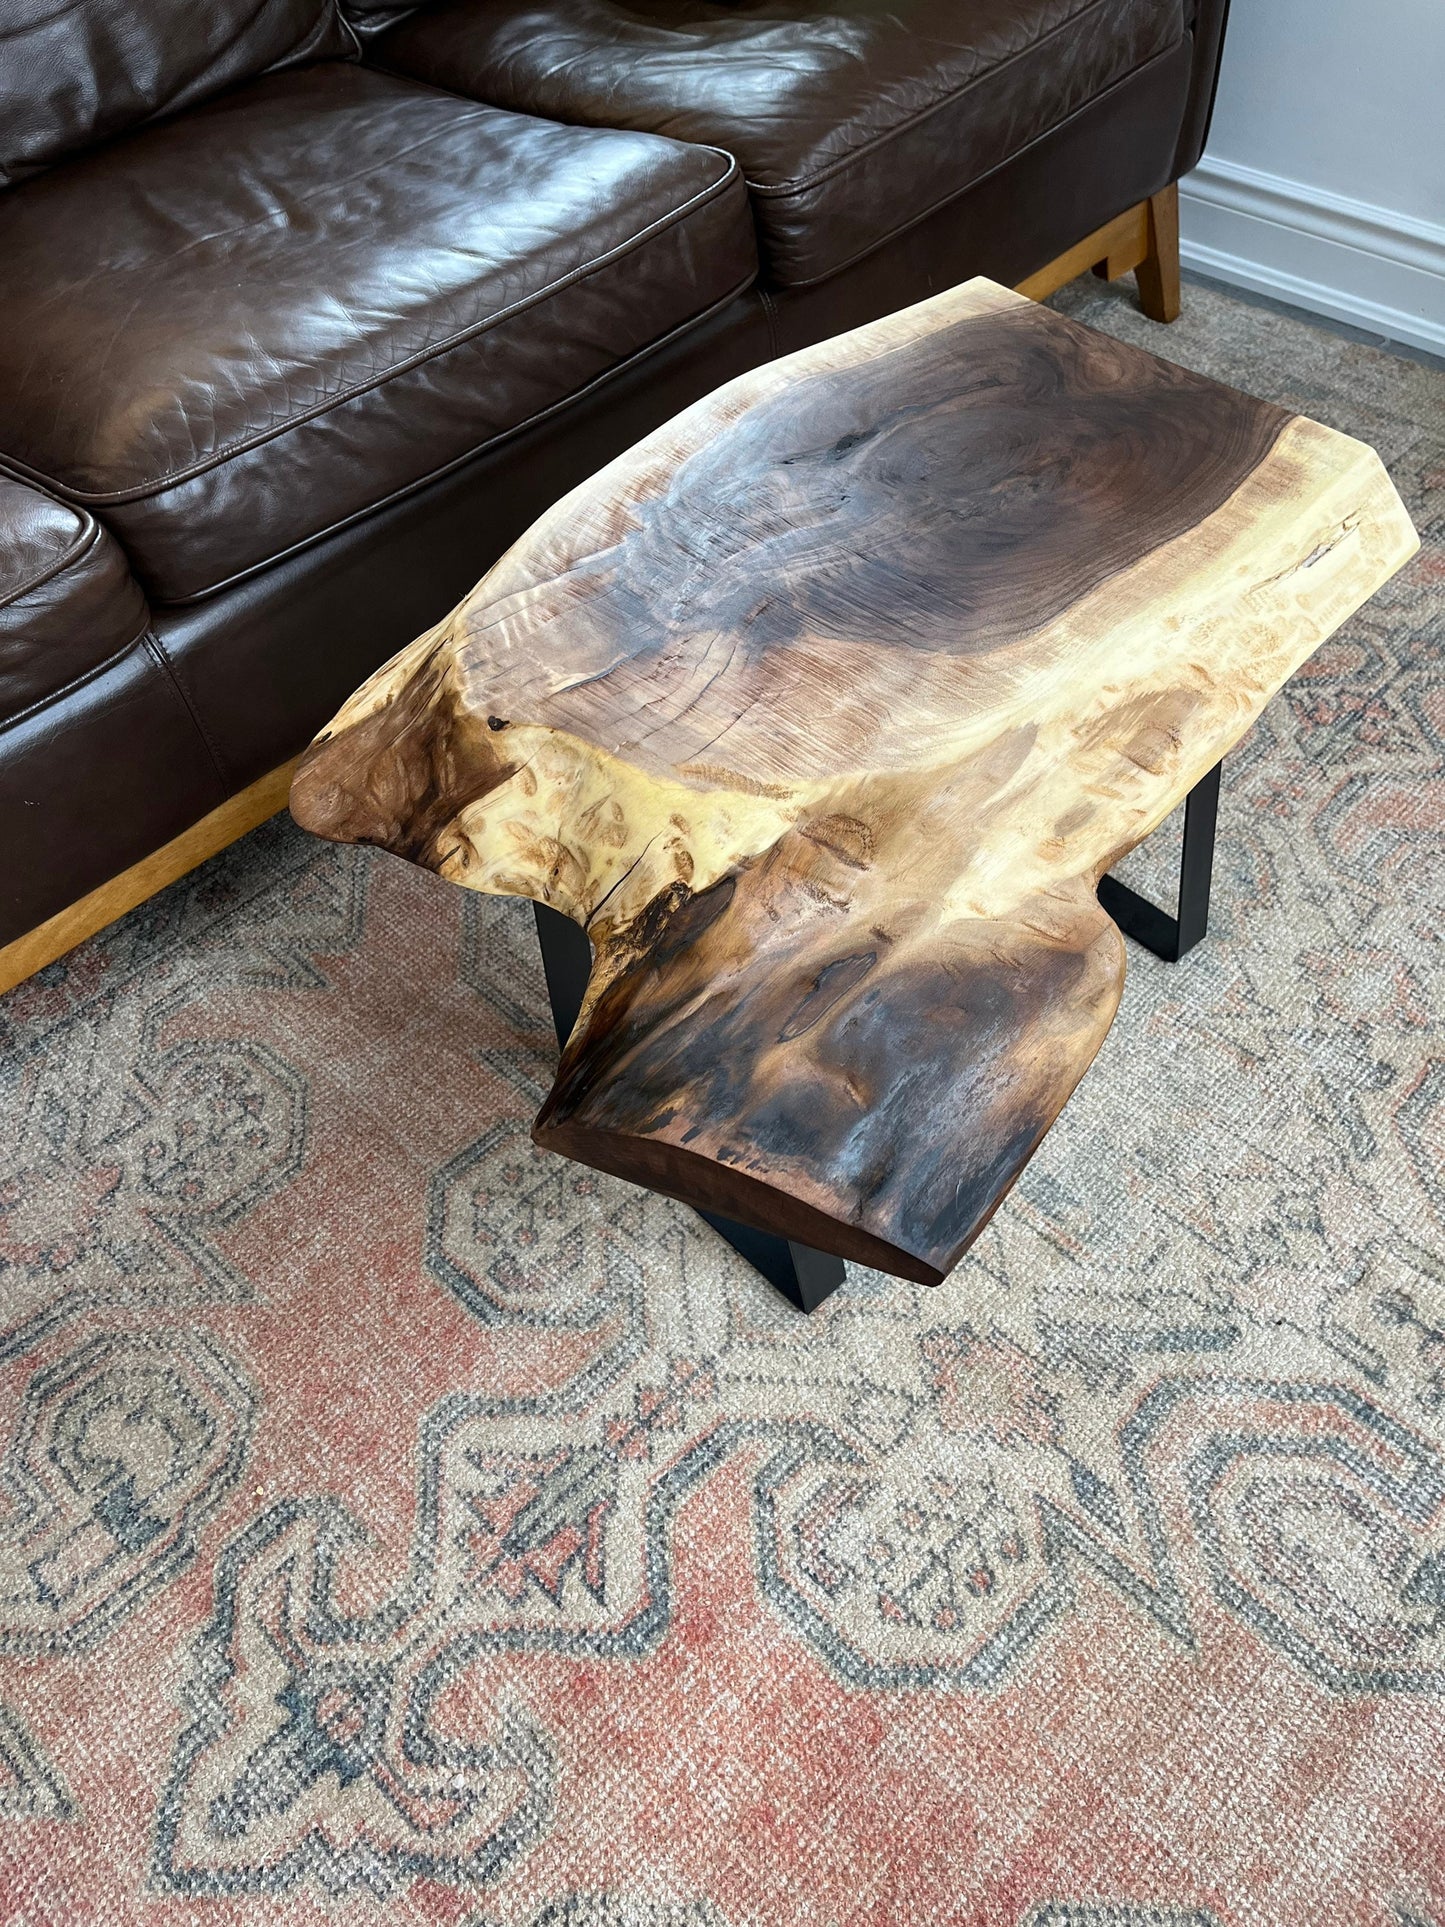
point(238, 329)
point(850, 122)
point(72, 73)
point(68, 602)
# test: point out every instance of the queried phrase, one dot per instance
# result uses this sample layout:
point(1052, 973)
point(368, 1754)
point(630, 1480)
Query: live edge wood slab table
point(823, 711)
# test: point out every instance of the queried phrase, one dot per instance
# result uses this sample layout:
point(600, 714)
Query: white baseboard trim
point(1346, 259)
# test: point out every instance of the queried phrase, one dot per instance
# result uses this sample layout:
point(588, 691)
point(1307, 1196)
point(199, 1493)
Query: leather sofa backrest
point(367, 18)
point(74, 73)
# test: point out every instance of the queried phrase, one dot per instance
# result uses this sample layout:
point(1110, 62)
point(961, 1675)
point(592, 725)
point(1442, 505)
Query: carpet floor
point(398, 1525)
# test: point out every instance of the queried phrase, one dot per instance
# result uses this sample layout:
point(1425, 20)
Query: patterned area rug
point(399, 1525)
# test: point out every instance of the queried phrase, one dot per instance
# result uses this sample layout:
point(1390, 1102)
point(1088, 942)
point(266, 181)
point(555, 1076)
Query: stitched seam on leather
point(459, 461)
point(158, 484)
point(804, 182)
point(172, 670)
point(87, 539)
point(956, 194)
point(34, 707)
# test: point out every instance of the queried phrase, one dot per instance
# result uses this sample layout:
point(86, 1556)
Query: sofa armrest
point(68, 601)
point(1207, 27)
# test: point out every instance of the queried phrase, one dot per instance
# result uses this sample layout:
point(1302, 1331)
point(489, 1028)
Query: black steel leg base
point(805, 1277)
point(1172, 937)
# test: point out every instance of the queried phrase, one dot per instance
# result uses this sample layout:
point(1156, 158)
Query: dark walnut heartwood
point(825, 708)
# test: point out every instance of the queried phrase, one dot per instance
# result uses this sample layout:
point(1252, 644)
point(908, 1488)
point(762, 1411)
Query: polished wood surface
point(823, 710)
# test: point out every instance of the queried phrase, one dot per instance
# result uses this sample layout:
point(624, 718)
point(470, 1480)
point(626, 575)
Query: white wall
point(1324, 179)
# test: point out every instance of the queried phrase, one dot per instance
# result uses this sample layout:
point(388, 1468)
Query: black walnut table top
point(824, 709)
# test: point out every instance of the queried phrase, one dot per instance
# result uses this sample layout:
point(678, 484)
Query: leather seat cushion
point(233, 331)
point(850, 122)
point(73, 74)
point(68, 602)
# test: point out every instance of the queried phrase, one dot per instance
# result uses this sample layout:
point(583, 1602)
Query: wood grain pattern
point(824, 708)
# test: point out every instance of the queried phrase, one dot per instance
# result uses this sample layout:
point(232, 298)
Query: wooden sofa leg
point(1143, 240)
point(1157, 274)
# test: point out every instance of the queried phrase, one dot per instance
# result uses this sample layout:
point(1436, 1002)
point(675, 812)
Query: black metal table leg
point(1172, 937)
point(804, 1276)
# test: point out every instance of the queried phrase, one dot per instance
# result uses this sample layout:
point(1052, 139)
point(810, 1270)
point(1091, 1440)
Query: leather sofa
point(308, 307)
